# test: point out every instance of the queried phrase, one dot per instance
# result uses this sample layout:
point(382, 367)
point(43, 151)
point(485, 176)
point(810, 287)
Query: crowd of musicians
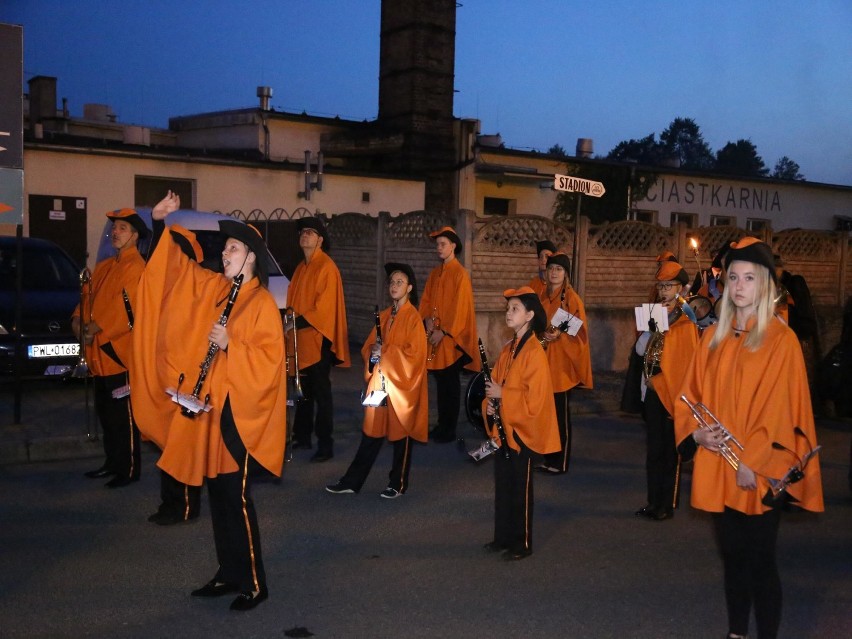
point(721, 384)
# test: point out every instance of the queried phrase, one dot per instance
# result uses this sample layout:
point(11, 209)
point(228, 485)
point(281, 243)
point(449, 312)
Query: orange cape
point(448, 295)
point(316, 293)
point(569, 357)
point(178, 303)
point(680, 343)
point(760, 396)
point(403, 366)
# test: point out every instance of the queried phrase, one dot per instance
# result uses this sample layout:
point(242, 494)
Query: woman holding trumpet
point(749, 371)
point(394, 364)
point(567, 355)
point(239, 430)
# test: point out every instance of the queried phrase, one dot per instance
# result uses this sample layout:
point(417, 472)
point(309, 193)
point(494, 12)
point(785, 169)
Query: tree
point(786, 169)
point(559, 151)
point(683, 140)
point(645, 151)
point(740, 158)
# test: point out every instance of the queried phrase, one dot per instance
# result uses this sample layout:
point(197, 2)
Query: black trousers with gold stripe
point(513, 498)
point(368, 450)
point(121, 436)
point(562, 459)
point(235, 530)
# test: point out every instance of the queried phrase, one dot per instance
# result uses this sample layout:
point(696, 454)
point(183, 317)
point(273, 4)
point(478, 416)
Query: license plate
point(35, 351)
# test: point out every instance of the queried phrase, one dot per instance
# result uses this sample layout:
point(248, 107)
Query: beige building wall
point(108, 182)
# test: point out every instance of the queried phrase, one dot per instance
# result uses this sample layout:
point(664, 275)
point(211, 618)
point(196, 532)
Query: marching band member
point(450, 321)
point(543, 249)
point(662, 463)
point(107, 336)
point(749, 371)
point(316, 295)
point(520, 384)
point(396, 365)
point(568, 355)
point(243, 431)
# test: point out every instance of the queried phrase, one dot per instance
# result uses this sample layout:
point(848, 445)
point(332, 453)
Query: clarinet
point(127, 308)
point(496, 419)
point(373, 358)
point(214, 348)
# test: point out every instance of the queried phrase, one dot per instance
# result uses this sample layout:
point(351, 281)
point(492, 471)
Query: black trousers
point(562, 459)
point(747, 544)
point(513, 499)
point(368, 450)
point(661, 461)
point(235, 530)
point(448, 398)
point(178, 499)
point(316, 386)
point(121, 436)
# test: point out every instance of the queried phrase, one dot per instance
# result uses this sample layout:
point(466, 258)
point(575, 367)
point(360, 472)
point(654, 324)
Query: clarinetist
point(521, 384)
point(180, 303)
point(749, 371)
point(399, 371)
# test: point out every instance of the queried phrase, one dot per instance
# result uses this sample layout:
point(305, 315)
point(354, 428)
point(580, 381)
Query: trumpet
point(708, 421)
point(436, 325)
point(81, 369)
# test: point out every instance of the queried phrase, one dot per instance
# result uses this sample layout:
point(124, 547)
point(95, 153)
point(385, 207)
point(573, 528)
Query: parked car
point(206, 228)
point(50, 291)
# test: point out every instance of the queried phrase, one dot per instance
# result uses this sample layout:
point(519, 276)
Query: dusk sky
point(539, 72)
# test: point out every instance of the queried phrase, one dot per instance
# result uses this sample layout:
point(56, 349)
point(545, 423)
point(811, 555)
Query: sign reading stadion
point(668, 190)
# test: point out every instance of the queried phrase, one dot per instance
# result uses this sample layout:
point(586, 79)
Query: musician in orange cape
point(543, 250)
point(749, 371)
point(107, 337)
point(521, 385)
point(243, 432)
point(450, 322)
point(395, 365)
point(568, 356)
point(316, 295)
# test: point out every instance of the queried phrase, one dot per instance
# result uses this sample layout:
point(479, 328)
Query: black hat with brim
point(132, 218)
point(390, 267)
point(561, 259)
point(317, 225)
point(750, 249)
point(544, 245)
point(250, 236)
point(450, 233)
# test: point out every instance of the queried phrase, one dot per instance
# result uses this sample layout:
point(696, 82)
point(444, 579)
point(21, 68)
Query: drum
point(473, 397)
point(701, 306)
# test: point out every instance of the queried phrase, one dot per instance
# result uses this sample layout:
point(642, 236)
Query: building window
point(498, 206)
point(690, 219)
point(722, 220)
point(148, 190)
point(365, 196)
point(643, 215)
point(756, 224)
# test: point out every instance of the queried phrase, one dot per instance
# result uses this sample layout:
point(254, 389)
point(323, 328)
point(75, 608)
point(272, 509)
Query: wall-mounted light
point(309, 186)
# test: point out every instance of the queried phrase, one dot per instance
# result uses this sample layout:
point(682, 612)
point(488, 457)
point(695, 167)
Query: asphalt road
point(78, 560)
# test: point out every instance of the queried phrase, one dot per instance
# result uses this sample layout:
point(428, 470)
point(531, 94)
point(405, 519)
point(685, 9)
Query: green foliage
point(683, 141)
point(786, 169)
point(740, 158)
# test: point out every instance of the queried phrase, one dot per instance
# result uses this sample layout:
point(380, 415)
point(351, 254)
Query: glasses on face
point(308, 232)
point(664, 286)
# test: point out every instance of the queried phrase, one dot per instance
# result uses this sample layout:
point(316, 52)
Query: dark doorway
point(60, 219)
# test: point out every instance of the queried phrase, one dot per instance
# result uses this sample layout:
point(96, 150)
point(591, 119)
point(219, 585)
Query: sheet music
point(658, 312)
point(574, 322)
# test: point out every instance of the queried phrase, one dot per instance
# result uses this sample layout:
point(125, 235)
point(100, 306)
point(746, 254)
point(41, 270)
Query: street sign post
point(578, 185)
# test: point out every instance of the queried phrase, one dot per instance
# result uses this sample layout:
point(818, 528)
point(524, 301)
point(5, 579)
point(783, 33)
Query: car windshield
point(45, 269)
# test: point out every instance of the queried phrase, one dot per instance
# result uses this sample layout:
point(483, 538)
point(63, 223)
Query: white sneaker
point(390, 493)
point(339, 488)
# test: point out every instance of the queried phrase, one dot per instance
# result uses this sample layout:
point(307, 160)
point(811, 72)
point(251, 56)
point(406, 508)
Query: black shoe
point(301, 446)
point(340, 489)
point(494, 546)
point(322, 456)
point(103, 471)
point(119, 482)
point(662, 515)
point(250, 599)
point(441, 437)
point(645, 511)
point(516, 555)
point(214, 588)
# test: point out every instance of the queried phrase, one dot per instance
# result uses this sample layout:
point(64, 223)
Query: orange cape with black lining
point(760, 396)
point(527, 405)
point(680, 344)
point(403, 366)
point(569, 356)
point(448, 294)
point(316, 293)
point(178, 303)
point(109, 278)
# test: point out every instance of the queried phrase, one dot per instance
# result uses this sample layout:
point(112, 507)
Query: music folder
point(574, 323)
point(657, 312)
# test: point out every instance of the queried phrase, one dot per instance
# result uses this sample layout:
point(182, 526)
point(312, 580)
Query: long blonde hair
point(764, 308)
